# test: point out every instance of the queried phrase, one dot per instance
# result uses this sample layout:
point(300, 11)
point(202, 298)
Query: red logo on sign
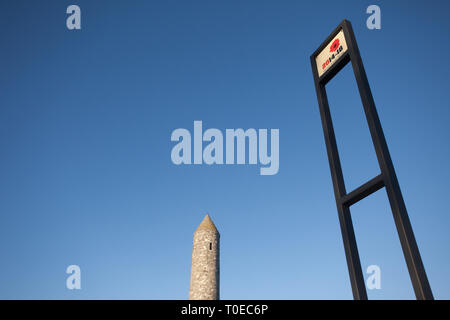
point(334, 45)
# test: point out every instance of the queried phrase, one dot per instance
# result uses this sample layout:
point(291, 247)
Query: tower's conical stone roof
point(207, 224)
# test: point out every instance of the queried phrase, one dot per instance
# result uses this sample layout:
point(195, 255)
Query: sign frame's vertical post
point(387, 178)
point(345, 219)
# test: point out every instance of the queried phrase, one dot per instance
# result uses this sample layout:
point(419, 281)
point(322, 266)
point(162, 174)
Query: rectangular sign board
point(331, 53)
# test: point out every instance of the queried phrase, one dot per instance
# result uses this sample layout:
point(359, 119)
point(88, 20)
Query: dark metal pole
point(345, 219)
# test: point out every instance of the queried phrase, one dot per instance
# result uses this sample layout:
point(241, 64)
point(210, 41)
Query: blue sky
point(86, 176)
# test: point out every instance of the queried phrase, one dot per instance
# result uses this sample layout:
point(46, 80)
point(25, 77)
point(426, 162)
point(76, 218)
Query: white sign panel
point(331, 53)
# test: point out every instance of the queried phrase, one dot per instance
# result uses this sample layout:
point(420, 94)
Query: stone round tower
point(205, 270)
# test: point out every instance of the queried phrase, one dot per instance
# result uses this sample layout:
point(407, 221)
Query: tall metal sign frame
point(326, 62)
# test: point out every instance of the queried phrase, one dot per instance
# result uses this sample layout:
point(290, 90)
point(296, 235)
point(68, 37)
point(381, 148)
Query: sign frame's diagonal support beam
point(337, 58)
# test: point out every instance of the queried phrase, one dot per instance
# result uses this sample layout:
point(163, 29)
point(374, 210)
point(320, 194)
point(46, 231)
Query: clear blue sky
point(85, 122)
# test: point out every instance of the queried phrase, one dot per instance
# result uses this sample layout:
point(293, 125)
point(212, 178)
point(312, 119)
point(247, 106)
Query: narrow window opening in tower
point(210, 246)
